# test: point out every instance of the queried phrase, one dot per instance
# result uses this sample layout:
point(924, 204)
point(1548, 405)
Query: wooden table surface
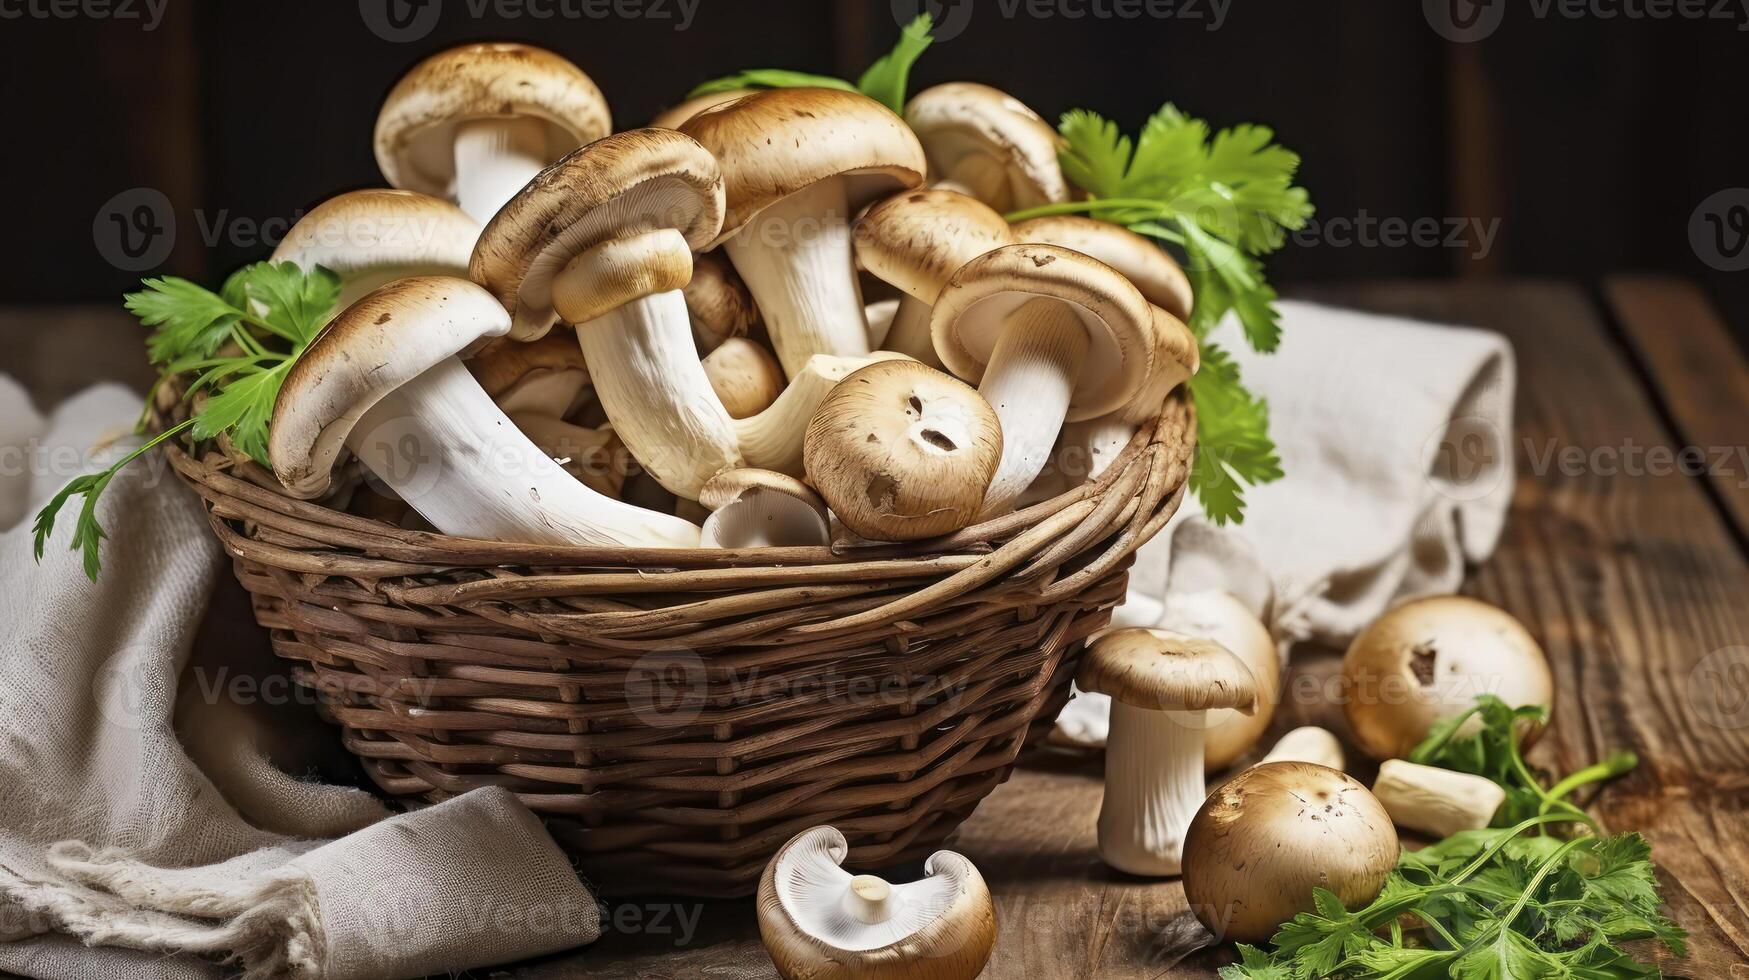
point(1633, 573)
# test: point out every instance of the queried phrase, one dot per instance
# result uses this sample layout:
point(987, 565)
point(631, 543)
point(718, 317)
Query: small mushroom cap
point(958, 120)
point(370, 237)
point(1427, 659)
point(673, 116)
point(774, 143)
point(1220, 616)
point(973, 309)
point(726, 487)
point(821, 923)
point(1263, 841)
point(1165, 671)
point(415, 131)
point(718, 302)
point(504, 362)
point(902, 451)
point(625, 184)
point(1140, 260)
point(917, 239)
point(377, 344)
point(745, 376)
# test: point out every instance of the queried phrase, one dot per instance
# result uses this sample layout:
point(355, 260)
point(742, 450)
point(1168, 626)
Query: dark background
point(1591, 140)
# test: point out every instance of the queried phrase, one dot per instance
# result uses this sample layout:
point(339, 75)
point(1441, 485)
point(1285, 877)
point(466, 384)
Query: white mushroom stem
point(1029, 381)
point(797, 261)
point(910, 333)
point(442, 445)
point(1153, 787)
point(1307, 744)
point(761, 518)
point(494, 159)
point(1436, 801)
point(869, 899)
point(772, 440)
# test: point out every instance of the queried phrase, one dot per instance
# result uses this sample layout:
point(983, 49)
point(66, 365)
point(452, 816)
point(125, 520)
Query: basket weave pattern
point(677, 715)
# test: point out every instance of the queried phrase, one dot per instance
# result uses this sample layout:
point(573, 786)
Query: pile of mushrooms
point(554, 333)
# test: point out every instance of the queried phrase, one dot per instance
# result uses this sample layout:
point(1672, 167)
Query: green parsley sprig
point(887, 81)
point(235, 346)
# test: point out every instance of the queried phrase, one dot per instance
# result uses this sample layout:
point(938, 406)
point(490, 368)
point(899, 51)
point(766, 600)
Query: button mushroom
point(988, 144)
point(673, 116)
point(1274, 833)
point(916, 241)
point(1436, 801)
point(1048, 335)
point(372, 237)
point(744, 375)
point(385, 380)
point(1427, 660)
point(717, 301)
point(544, 377)
point(773, 439)
point(1141, 261)
point(1161, 684)
point(796, 165)
point(475, 123)
point(1308, 743)
point(761, 509)
point(820, 922)
point(902, 451)
point(604, 239)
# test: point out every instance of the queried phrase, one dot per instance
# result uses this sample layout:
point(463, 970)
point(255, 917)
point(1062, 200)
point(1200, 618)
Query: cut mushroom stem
point(495, 158)
point(1029, 382)
point(796, 259)
point(1436, 801)
point(1307, 744)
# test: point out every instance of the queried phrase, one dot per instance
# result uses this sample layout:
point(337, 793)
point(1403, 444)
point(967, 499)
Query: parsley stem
point(1615, 765)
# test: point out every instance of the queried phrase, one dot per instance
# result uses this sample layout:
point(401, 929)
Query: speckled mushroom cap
point(718, 302)
point(415, 131)
point(972, 310)
point(915, 240)
point(628, 183)
point(774, 143)
point(370, 237)
point(673, 116)
point(1144, 263)
point(959, 119)
point(376, 345)
point(1165, 671)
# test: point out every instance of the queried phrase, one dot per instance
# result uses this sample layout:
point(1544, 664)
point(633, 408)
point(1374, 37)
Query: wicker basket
point(677, 715)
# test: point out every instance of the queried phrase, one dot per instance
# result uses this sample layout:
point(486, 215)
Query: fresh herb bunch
point(236, 344)
point(887, 81)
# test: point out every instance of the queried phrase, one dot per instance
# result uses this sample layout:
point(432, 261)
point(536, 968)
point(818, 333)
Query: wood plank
point(1698, 373)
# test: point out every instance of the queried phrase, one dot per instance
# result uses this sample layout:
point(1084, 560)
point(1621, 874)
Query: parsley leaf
point(887, 81)
point(233, 348)
point(1233, 448)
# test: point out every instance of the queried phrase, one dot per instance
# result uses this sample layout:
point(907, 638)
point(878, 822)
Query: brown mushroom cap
point(718, 302)
point(972, 310)
point(415, 131)
point(774, 143)
point(374, 236)
point(916, 240)
point(1427, 659)
point(1140, 260)
point(673, 116)
point(958, 120)
point(628, 183)
point(1165, 671)
point(723, 489)
point(902, 451)
point(501, 364)
point(745, 376)
point(1263, 841)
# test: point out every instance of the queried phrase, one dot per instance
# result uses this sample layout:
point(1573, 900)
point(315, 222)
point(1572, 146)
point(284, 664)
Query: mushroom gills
point(796, 258)
point(442, 445)
point(1153, 788)
point(495, 158)
point(1029, 382)
point(862, 912)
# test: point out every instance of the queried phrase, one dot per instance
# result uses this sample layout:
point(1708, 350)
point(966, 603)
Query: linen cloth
point(149, 828)
point(1396, 440)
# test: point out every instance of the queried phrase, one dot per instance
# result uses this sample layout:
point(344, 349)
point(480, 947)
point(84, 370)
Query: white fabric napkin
point(141, 814)
point(1396, 440)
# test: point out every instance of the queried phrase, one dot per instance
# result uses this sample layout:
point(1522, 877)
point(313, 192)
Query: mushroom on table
point(796, 164)
point(1308, 743)
point(986, 143)
point(385, 380)
point(475, 123)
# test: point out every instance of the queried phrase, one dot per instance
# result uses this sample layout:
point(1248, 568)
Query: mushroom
point(1220, 616)
point(915, 241)
point(673, 116)
point(1308, 743)
point(1436, 801)
point(820, 922)
point(604, 239)
point(902, 451)
point(881, 314)
point(592, 455)
point(988, 144)
point(1141, 261)
point(1047, 334)
point(1427, 660)
point(543, 377)
point(1264, 841)
point(774, 439)
point(796, 165)
point(385, 380)
point(744, 375)
point(717, 302)
point(474, 124)
point(761, 509)
point(372, 237)
point(1161, 684)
